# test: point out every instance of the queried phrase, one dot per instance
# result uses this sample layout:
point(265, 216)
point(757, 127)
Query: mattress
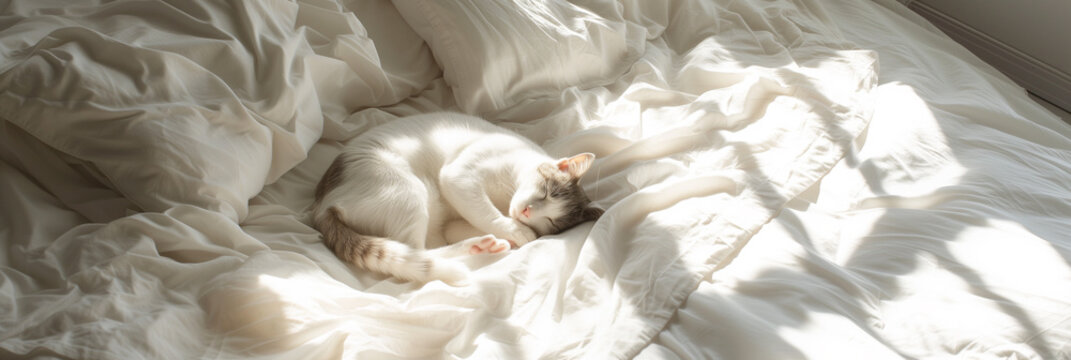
point(782, 179)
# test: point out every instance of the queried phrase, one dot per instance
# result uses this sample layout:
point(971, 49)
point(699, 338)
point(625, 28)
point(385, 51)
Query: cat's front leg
point(514, 231)
point(464, 189)
point(459, 230)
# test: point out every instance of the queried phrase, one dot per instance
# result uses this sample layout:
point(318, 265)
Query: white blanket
point(944, 236)
point(158, 159)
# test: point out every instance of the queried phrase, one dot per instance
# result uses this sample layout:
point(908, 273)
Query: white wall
point(1029, 40)
point(1040, 28)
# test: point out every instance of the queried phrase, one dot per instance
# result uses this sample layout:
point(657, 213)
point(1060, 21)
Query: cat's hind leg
point(451, 272)
point(393, 203)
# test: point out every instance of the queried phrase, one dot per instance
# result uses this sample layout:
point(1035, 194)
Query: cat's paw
point(519, 234)
point(488, 244)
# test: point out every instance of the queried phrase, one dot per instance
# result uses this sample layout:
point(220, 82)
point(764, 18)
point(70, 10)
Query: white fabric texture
point(946, 237)
point(771, 191)
point(497, 53)
point(174, 112)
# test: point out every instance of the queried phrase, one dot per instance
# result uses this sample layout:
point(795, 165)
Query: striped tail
point(384, 255)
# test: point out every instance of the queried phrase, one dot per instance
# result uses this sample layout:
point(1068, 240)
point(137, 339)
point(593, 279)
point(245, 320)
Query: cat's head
point(552, 200)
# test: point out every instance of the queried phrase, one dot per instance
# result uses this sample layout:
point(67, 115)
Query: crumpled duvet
point(158, 159)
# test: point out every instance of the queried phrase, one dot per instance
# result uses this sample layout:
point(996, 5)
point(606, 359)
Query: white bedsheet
point(158, 159)
point(944, 236)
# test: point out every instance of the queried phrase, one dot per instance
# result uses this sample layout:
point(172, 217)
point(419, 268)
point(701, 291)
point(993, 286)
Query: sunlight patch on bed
point(904, 151)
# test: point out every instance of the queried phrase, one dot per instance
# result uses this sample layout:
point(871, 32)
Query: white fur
point(405, 180)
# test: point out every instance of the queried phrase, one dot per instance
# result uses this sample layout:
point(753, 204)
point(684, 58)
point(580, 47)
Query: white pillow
point(496, 53)
point(202, 109)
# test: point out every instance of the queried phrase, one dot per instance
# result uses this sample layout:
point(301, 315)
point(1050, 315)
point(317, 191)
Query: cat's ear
point(592, 213)
point(576, 165)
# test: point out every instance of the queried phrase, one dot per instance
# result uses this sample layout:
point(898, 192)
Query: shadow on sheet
point(938, 234)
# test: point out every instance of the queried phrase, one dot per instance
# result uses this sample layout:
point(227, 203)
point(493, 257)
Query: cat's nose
point(527, 212)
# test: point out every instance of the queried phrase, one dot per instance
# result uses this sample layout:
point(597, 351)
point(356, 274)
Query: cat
point(395, 188)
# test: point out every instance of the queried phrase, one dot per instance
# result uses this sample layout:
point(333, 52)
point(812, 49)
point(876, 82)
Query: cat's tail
point(384, 255)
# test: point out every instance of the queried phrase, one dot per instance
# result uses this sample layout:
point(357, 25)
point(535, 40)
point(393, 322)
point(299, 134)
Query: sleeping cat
point(394, 189)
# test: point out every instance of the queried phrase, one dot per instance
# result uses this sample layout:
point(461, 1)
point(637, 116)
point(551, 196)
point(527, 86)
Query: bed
point(782, 179)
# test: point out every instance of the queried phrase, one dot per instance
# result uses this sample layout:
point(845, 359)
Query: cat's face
point(553, 201)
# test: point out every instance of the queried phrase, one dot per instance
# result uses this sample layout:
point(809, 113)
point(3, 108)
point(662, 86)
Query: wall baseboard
point(1036, 76)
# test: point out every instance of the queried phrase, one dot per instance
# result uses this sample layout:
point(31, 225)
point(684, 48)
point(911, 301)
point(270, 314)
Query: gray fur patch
point(332, 178)
point(347, 244)
point(565, 188)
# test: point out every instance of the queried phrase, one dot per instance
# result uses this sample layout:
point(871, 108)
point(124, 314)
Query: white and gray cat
point(397, 187)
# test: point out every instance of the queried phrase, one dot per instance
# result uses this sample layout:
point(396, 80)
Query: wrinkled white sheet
point(158, 157)
point(944, 236)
